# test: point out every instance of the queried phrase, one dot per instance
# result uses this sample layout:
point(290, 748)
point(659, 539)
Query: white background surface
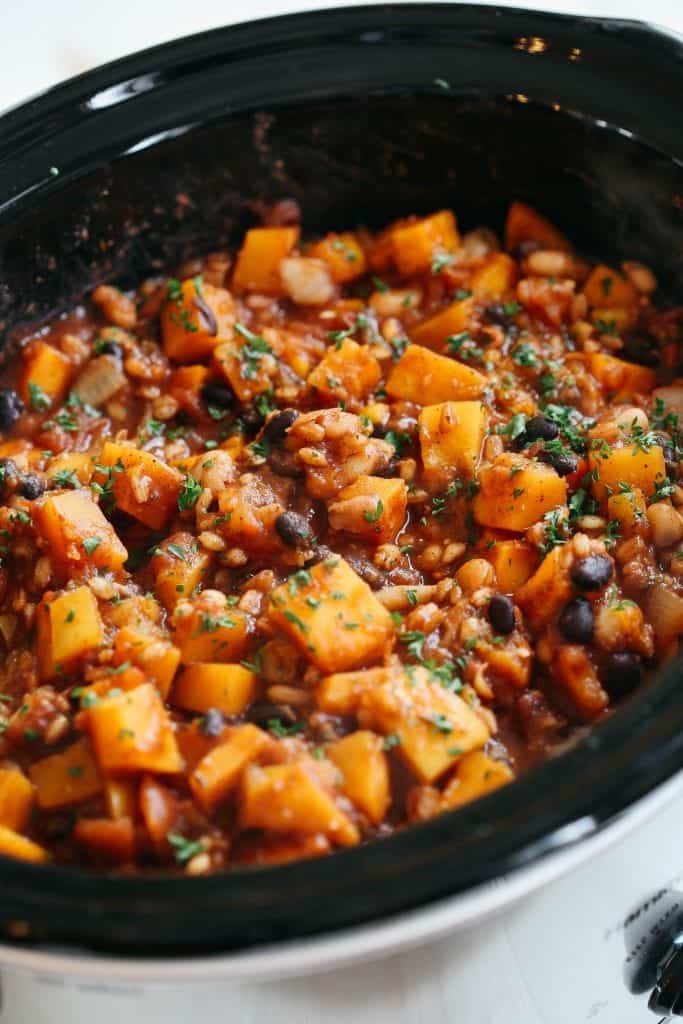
point(43, 41)
point(555, 960)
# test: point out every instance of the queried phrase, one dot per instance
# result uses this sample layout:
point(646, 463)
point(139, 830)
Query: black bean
point(252, 420)
point(563, 463)
point(11, 408)
point(264, 713)
point(391, 468)
point(218, 394)
point(278, 425)
point(31, 486)
point(321, 553)
point(212, 723)
point(539, 428)
point(576, 621)
point(593, 572)
point(639, 349)
point(670, 462)
point(623, 673)
point(495, 314)
point(293, 529)
point(110, 348)
point(502, 613)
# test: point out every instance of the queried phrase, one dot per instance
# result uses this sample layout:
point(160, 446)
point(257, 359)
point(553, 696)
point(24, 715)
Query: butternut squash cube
point(14, 845)
point(452, 320)
point(66, 778)
point(250, 364)
point(524, 224)
point(141, 485)
point(343, 253)
point(629, 509)
point(196, 317)
point(451, 435)
point(332, 616)
point(229, 688)
point(496, 277)
point(543, 596)
point(514, 562)
point(340, 694)
point(621, 380)
point(106, 841)
point(69, 628)
point(363, 764)
point(77, 532)
point(208, 629)
point(607, 287)
point(614, 318)
point(148, 649)
point(186, 384)
point(515, 492)
point(476, 774)
point(121, 797)
point(433, 727)
point(630, 464)
point(426, 378)
point(373, 507)
point(16, 799)
point(414, 245)
point(259, 259)
point(285, 798)
point(78, 466)
point(344, 372)
point(131, 732)
point(218, 772)
point(179, 566)
point(45, 376)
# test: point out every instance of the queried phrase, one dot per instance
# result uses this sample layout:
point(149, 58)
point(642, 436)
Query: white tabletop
point(554, 960)
point(46, 40)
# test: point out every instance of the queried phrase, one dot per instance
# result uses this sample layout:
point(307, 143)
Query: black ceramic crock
point(361, 114)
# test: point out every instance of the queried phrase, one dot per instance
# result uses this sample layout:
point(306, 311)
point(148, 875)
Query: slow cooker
point(360, 114)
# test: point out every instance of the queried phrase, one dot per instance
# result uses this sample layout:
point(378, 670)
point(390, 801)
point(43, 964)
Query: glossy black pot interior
point(360, 114)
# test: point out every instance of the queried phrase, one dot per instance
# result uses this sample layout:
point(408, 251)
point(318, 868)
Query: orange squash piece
point(285, 798)
point(361, 760)
point(344, 255)
point(476, 774)
point(45, 376)
point(69, 777)
point(435, 331)
point(229, 688)
point(78, 534)
point(69, 629)
point(131, 732)
point(496, 277)
point(218, 772)
point(515, 492)
point(259, 259)
point(347, 371)
point(16, 799)
point(414, 245)
point(14, 845)
point(525, 224)
point(141, 485)
point(372, 507)
point(332, 616)
point(426, 378)
point(196, 317)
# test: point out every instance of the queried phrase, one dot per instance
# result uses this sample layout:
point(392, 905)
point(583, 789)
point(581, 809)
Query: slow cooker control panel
point(653, 933)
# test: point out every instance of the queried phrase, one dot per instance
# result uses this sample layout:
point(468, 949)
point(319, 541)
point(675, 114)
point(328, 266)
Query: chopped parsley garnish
point(372, 517)
point(441, 260)
point(252, 351)
point(39, 401)
point(413, 640)
point(279, 729)
point(514, 428)
point(524, 355)
point(91, 544)
point(188, 494)
point(184, 849)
